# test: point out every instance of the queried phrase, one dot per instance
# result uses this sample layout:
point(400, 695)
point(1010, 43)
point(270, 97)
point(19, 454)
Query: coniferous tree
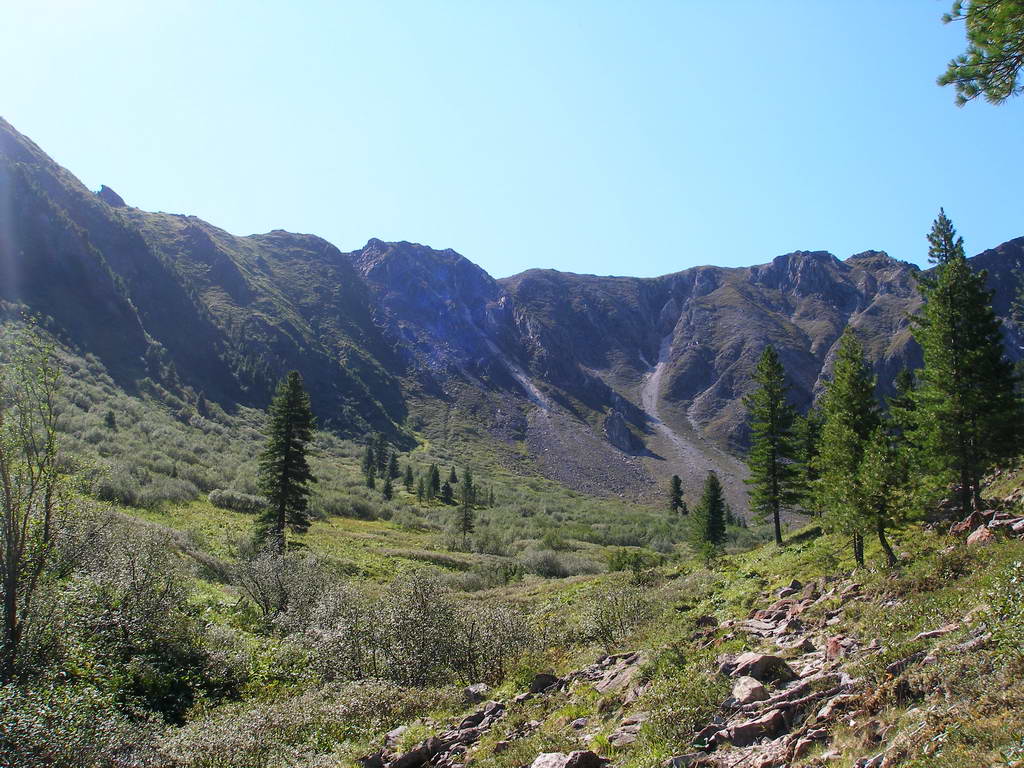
point(452, 477)
point(675, 495)
point(850, 417)
point(967, 414)
point(901, 406)
point(388, 491)
point(380, 452)
point(284, 474)
point(709, 515)
point(806, 440)
point(467, 517)
point(447, 495)
point(773, 474)
point(421, 491)
point(468, 490)
point(407, 479)
point(393, 472)
point(369, 465)
point(880, 480)
point(433, 482)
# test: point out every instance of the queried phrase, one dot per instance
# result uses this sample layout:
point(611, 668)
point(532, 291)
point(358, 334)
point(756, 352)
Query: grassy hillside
point(171, 642)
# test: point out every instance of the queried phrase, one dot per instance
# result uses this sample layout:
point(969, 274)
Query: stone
point(684, 761)
point(833, 705)
point(622, 737)
point(747, 690)
point(793, 587)
point(578, 759)
point(943, 630)
point(579, 723)
point(981, 537)
point(707, 734)
point(543, 682)
point(768, 725)
point(585, 759)
point(418, 755)
point(619, 434)
point(476, 693)
point(806, 742)
point(620, 674)
point(763, 667)
point(110, 197)
point(391, 738)
point(833, 647)
point(968, 524)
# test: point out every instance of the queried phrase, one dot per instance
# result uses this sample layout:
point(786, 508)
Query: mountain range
point(606, 384)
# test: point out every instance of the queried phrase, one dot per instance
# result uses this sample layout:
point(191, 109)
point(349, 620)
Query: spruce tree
point(369, 464)
point(421, 491)
point(773, 474)
point(447, 495)
point(452, 477)
point(433, 482)
point(806, 440)
point(388, 491)
point(850, 417)
point(380, 452)
point(967, 415)
point(407, 479)
point(675, 496)
point(392, 471)
point(880, 480)
point(709, 516)
point(284, 474)
point(467, 517)
point(468, 490)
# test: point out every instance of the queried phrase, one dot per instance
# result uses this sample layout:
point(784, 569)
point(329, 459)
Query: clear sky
point(623, 137)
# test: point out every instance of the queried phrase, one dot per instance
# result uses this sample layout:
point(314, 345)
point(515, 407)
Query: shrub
point(1006, 613)
point(226, 498)
point(615, 611)
point(282, 584)
point(66, 726)
point(550, 564)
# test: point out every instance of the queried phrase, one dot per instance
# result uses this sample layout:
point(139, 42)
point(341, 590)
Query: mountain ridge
point(612, 383)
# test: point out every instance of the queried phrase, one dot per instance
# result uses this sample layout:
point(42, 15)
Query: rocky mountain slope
point(607, 384)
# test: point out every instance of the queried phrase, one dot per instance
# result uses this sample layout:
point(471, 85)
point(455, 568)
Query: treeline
point(867, 466)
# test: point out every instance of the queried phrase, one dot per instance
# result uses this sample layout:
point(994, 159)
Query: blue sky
point(631, 138)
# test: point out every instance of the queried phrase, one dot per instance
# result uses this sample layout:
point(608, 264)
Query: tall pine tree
point(806, 442)
point(709, 516)
point(967, 415)
point(284, 474)
point(675, 496)
point(773, 471)
point(851, 416)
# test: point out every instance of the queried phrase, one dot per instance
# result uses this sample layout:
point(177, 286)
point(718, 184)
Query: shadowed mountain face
point(609, 384)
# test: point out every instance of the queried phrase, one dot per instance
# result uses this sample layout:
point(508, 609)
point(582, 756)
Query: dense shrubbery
point(417, 633)
point(557, 565)
point(615, 610)
point(227, 498)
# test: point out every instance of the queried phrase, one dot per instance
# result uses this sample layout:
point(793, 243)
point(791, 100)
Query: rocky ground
point(800, 685)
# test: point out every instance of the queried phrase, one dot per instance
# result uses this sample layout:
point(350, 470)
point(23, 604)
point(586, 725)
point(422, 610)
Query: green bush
point(226, 498)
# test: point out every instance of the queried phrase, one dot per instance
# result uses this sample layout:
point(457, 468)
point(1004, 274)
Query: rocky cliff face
point(611, 383)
